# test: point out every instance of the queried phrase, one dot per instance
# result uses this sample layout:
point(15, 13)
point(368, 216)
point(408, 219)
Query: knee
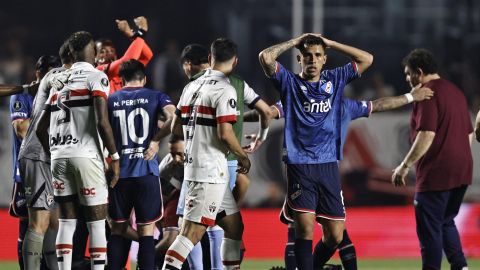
point(333, 237)
point(118, 228)
point(304, 231)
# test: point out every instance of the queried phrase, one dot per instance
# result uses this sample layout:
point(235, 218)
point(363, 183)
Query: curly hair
point(421, 59)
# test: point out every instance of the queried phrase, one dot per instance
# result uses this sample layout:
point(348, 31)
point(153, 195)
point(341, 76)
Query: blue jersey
point(312, 110)
point(20, 108)
point(133, 114)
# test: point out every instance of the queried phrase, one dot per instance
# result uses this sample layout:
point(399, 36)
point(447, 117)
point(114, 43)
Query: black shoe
point(332, 267)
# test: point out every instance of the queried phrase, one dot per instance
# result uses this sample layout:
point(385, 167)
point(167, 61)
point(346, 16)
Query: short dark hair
point(421, 59)
point(64, 53)
point(132, 70)
point(78, 41)
point(174, 139)
point(47, 62)
point(310, 40)
point(223, 49)
point(195, 53)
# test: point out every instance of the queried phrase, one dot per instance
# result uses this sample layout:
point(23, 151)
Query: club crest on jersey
point(328, 87)
point(212, 208)
point(104, 82)
point(17, 106)
point(233, 103)
point(304, 88)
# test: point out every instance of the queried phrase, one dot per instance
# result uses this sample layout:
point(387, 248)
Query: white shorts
point(82, 176)
point(203, 201)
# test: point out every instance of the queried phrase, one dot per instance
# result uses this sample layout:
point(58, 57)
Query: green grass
point(393, 264)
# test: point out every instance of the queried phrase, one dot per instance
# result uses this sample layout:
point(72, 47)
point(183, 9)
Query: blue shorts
point(18, 205)
point(140, 193)
point(315, 188)
point(232, 172)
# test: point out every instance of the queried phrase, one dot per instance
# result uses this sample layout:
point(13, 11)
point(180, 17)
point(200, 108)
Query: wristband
point(115, 156)
point(25, 88)
point(139, 33)
point(262, 134)
point(409, 97)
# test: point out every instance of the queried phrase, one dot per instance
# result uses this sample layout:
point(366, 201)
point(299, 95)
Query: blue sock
point(195, 257)
point(216, 237)
point(303, 254)
point(146, 253)
point(347, 253)
point(22, 230)
point(205, 242)
point(322, 254)
point(116, 255)
point(290, 261)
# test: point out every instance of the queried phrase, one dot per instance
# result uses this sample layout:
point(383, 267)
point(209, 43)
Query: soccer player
point(312, 104)
point(194, 60)
point(20, 114)
point(76, 115)
point(133, 113)
point(106, 57)
point(441, 133)
point(206, 111)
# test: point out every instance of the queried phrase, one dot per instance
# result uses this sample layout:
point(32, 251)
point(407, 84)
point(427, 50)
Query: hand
point(113, 173)
point(243, 165)
point(328, 42)
point(298, 40)
point(124, 27)
point(141, 22)
point(399, 174)
point(420, 93)
point(253, 145)
point(152, 150)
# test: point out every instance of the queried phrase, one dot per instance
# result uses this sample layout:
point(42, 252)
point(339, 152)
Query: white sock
point(177, 253)
point(231, 253)
point(64, 243)
point(98, 244)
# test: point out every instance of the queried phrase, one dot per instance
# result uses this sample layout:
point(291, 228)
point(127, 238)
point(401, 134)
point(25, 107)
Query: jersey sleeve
point(250, 96)
point(281, 78)
point(427, 115)
point(99, 85)
point(226, 106)
point(19, 107)
point(164, 100)
point(358, 109)
point(279, 107)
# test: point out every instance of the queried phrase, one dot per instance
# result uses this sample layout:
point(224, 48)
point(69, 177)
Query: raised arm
point(169, 112)
point(268, 57)
point(389, 103)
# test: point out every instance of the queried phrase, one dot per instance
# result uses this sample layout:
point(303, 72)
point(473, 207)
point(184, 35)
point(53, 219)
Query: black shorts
point(18, 205)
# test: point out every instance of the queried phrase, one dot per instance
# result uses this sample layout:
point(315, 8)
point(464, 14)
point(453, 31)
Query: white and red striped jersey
point(73, 129)
point(206, 102)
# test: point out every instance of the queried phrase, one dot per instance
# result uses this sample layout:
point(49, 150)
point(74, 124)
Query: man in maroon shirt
point(441, 132)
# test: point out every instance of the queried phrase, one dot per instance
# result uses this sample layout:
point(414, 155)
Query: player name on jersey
point(130, 102)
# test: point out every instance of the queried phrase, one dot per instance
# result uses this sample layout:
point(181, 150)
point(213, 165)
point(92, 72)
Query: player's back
point(73, 129)
point(133, 114)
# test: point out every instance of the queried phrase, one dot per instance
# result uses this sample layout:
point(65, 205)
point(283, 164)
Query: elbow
point(368, 59)
point(263, 58)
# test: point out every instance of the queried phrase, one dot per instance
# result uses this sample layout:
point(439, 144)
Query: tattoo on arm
point(269, 56)
point(388, 103)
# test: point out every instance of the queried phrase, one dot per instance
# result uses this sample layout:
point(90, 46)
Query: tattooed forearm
point(388, 103)
point(269, 56)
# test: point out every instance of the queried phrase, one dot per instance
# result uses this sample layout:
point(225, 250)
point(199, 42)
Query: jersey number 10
point(127, 125)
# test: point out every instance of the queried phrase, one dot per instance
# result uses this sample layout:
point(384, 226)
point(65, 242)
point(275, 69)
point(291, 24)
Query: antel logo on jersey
point(62, 140)
point(317, 107)
point(59, 186)
point(88, 191)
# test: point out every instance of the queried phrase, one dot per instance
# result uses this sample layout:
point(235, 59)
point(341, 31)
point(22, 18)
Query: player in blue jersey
point(133, 113)
point(312, 106)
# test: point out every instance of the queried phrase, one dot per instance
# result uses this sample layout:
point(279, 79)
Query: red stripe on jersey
point(354, 64)
point(173, 253)
point(99, 93)
point(227, 118)
point(207, 221)
point(64, 246)
point(98, 250)
point(54, 98)
point(200, 109)
point(79, 92)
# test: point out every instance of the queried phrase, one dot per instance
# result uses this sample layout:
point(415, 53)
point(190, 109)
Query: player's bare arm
point(227, 136)
point(106, 133)
point(265, 117)
point(20, 126)
point(268, 57)
point(477, 127)
point(253, 116)
point(177, 126)
point(168, 112)
point(9, 90)
point(362, 58)
point(420, 146)
point(417, 94)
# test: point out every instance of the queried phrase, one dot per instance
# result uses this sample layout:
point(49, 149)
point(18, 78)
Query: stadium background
point(380, 218)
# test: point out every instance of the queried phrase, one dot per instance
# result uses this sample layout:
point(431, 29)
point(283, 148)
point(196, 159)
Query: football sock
point(290, 261)
point(146, 253)
point(303, 254)
point(231, 253)
point(98, 244)
point(177, 253)
point(22, 230)
point(116, 246)
point(347, 253)
point(195, 258)
point(32, 249)
point(322, 254)
point(66, 228)
point(49, 253)
point(215, 235)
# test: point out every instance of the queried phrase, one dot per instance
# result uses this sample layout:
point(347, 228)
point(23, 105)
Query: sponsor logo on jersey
point(62, 140)
point(88, 191)
point(59, 186)
point(317, 107)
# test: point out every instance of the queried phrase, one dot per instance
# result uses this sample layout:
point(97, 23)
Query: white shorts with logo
point(80, 176)
point(203, 201)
